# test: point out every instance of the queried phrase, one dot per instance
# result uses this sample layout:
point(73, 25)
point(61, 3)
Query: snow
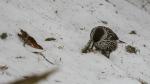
point(142, 4)
point(70, 22)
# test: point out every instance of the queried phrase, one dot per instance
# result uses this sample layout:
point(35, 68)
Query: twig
point(41, 54)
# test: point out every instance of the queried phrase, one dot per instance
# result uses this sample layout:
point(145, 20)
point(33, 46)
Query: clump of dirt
point(131, 49)
point(3, 67)
point(104, 22)
point(50, 39)
point(3, 36)
point(133, 32)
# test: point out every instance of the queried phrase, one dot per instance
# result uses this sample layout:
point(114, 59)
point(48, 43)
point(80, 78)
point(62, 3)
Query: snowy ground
point(142, 4)
point(70, 22)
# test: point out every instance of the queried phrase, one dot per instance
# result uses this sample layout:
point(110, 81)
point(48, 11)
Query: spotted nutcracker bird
point(103, 39)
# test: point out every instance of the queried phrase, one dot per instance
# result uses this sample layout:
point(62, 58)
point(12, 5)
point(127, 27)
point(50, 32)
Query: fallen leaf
point(27, 39)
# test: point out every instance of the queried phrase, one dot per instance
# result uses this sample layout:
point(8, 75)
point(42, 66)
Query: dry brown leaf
point(29, 40)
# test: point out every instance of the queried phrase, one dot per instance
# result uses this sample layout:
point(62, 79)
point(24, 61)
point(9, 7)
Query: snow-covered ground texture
point(142, 4)
point(70, 22)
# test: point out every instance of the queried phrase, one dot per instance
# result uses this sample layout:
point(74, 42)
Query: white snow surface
point(142, 4)
point(70, 22)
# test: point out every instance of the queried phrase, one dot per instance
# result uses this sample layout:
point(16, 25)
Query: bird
point(106, 46)
point(102, 32)
point(103, 39)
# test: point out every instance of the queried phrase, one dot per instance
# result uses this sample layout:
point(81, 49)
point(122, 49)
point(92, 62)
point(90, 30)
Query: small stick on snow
point(41, 54)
